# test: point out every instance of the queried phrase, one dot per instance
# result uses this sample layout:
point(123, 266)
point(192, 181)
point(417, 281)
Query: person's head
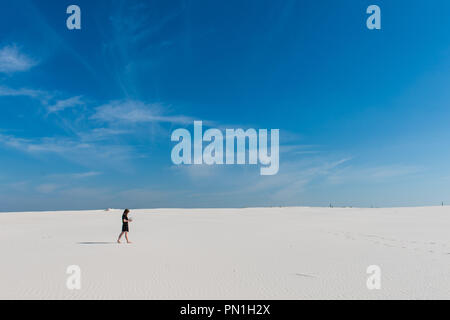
point(126, 212)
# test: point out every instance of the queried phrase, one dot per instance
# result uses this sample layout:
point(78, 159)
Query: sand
point(254, 253)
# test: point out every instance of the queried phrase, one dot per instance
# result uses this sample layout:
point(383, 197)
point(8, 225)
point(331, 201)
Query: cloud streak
point(42, 96)
point(70, 176)
point(12, 60)
point(60, 105)
point(134, 112)
point(91, 155)
point(377, 174)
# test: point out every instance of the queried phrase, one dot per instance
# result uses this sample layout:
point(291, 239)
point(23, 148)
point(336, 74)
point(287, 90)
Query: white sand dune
point(267, 253)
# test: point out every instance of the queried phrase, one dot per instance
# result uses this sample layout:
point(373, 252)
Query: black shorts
point(125, 228)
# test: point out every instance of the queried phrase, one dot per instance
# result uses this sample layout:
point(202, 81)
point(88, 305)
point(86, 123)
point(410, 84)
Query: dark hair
point(126, 211)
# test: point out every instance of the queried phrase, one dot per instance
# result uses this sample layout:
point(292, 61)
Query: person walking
point(125, 228)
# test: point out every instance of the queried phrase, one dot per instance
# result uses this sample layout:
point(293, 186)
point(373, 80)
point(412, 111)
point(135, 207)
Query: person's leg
point(120, 236)
point(126, 237)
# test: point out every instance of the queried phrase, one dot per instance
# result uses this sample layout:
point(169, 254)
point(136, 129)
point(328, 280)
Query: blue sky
point(86, 115)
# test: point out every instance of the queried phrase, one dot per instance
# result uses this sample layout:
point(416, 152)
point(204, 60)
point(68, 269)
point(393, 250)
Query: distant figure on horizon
point(125, 229)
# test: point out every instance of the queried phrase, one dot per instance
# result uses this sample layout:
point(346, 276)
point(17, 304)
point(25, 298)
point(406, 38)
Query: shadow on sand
point(95, 242)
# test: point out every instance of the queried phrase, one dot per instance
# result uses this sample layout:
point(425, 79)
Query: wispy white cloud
point(293, 179)
point(53, 102)
point(65, 103)
point(374, 174)
point(40, 95)
point(94, 139)
point(12, 60)
point(298, 149)
point(99, 134)
point(70, 176)
point(54, 145)
point(92, 155)
point(134, 112)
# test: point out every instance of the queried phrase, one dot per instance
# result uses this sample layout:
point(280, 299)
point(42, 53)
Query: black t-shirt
point(124, 217)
